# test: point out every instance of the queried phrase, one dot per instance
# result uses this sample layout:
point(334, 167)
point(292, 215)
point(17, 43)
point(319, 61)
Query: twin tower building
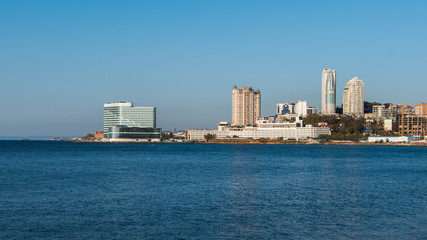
point(246, 103)
point(353, 97)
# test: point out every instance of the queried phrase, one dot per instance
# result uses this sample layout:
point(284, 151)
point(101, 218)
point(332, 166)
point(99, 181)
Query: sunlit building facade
point(353, 97)
point(246, 106)
point(123, 120)
point(266, 130)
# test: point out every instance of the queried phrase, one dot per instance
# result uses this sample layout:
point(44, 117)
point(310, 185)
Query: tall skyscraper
point(246, 106)
point(123, 120)
point(329, 87)
point(353, 97)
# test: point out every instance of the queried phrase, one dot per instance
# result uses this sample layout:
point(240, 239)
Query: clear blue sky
point(61, 60)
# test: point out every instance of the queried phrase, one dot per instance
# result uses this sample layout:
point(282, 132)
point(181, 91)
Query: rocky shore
point(244, 141)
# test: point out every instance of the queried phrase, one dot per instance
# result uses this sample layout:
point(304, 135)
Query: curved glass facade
point(329, 87)
point(330, 98)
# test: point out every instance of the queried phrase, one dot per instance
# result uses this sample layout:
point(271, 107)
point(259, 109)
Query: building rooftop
point(118, 104)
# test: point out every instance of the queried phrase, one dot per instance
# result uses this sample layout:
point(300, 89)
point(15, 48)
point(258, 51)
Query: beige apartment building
point(246, 106)
point(353, 97)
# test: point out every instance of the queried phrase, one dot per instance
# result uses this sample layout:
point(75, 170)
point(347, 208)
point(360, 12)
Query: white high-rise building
point(246, 106)
point(329, 87)
point(301, 108)
point(353, 97)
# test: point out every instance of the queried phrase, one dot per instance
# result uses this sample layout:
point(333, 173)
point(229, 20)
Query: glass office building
point(133, 132)
point(122, 119)
point(329, 96)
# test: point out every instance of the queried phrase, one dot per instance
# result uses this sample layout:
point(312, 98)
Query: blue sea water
point(61, 190)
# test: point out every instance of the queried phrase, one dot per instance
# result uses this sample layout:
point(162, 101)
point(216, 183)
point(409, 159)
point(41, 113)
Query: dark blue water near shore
point(187, 191)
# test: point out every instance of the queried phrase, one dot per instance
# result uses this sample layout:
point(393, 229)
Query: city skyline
point(61, 61)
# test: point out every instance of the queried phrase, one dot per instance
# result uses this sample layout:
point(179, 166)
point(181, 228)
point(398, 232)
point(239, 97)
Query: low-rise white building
point(266, 130)
point(393, 139)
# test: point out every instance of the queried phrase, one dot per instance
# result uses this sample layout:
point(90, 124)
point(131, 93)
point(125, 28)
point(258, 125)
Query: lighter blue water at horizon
point(57, 190)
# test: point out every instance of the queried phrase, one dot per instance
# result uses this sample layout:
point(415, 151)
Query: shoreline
point(253, 142)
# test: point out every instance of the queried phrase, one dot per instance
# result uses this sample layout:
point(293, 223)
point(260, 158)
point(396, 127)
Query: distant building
point(353, 97)
point(123, 120)
point(167, 134)
point(393, 139)
point(99, 134)
point(271, 119)
point(284, 108)
point(388, 124)
point(411, 125)
point(421, 109)
point(246, 106)
point(295, 109)
point(312, 110)
point(301, 108)
point(286, 130)
point(387, 110)
point(329, 96)
point(338, 110)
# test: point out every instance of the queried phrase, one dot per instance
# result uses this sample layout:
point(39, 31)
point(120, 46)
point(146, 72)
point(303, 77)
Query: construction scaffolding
point(410, 123)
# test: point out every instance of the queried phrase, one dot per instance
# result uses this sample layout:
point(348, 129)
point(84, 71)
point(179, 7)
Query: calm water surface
point(61, 190)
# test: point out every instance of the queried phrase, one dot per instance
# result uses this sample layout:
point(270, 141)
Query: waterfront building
point(246, 106)
point(99, 134)
point(123, 120)
point(329, 96)
point(393, 139)
point(353, 97)
point(286, 130)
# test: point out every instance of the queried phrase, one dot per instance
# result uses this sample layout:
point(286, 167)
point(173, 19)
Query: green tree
point(210, 136)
